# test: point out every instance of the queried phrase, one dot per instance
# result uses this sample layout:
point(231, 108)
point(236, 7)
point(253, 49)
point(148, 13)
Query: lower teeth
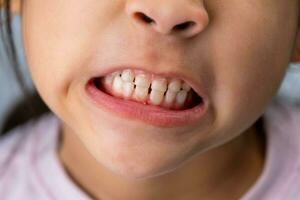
point(191, 101)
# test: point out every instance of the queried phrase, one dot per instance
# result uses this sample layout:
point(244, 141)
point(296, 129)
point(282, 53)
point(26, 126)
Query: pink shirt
point(30, 169)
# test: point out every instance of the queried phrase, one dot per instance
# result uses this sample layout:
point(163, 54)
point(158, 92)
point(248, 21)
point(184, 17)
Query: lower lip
point(149, 114)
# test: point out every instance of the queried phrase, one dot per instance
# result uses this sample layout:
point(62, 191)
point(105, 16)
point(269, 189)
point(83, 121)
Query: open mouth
point(167, 93)
point(160, 101)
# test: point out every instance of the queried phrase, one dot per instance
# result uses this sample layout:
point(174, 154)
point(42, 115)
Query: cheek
point(57, 44)
point(249, 60)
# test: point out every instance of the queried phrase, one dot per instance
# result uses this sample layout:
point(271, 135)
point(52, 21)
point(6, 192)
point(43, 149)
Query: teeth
point(174, 85)
point(140, 93)
point(108, 80)
point(142, 80)
point(186, 87)
point(117, 73)
point(128, 89)
point(169, 98)
point(159, 85)
point(117, 85)
point(127, 75)
point(171, 95)
point(156, 97)
point(181, 97)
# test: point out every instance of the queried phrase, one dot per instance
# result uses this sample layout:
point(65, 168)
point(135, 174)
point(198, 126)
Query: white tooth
point(128, 89)
point(117, 73)
point(127, 75)
point(117, 86)
point(186, 87)
point(108, 80)
point(159, 85)
point(181, 97)
point(156, 97)
point(175, 85)
point(140, 93)
point(142, 80)
point(170, 97)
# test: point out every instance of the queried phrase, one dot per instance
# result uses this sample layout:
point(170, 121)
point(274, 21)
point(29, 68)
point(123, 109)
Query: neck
point(226, 171)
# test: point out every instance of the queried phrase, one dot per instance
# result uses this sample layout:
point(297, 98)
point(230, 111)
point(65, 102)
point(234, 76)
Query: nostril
point(184, 25)
point(142, 17)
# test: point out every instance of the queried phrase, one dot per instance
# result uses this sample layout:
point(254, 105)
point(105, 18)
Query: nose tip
point(167, 17)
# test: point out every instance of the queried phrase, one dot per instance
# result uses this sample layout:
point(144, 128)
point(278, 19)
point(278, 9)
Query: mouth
point(155, 99)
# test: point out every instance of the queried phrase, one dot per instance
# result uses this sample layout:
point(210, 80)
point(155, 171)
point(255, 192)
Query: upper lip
point(192, 81)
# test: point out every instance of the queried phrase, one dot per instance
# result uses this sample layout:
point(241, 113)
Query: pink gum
point(152, 77)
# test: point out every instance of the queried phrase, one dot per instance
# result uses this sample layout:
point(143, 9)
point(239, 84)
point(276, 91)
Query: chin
point(143, 167)
point(140, 172)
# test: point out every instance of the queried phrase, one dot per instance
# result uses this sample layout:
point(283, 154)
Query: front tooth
point(142, 80)
point(186, 87)
point(159, 85)
point(174, 85)
point(181, 97)
point(128, 89)
point(156, 97)
point(127, 75)
point(140, 93)
point(117, 86)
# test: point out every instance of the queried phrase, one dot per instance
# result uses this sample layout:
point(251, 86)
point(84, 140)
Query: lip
point(153, 115)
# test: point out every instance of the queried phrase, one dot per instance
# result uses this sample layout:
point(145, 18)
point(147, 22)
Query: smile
point(154, 99)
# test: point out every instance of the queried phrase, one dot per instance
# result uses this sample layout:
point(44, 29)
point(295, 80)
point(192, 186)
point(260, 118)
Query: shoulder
point(282, 172)
point(17, 142)
point(17, 148)
point(286, 115)
point(282, 125)
point(13, 142)
point(280, 178)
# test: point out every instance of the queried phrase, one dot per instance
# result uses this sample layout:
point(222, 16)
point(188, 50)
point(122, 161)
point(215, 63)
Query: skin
point(239, 54)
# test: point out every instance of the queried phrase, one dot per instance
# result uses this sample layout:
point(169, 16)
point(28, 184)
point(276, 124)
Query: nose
point(182, 17)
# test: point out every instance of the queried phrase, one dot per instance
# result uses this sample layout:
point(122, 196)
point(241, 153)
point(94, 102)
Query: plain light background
point(10, 92)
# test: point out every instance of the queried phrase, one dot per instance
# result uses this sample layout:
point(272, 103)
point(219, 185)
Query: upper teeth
point(142, 80)
point(127, 76)
point(164, 92)
point(175, 85)
point(159, 85)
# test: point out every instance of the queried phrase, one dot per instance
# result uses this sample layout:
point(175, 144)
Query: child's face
point(238, 57)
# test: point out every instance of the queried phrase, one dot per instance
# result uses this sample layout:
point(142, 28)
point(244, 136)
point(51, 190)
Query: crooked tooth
point(128, 89)
point(181, 97)
point(142, 80)
point(186, 87)
point(159, 85)
point(127, 75)
point(140, 93)
point(117, 86)
point(175, 85)
point(156, 97)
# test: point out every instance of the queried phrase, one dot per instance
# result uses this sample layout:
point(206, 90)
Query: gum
point(151, 77)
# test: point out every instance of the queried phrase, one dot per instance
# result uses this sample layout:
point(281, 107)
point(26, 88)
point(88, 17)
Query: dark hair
point(31, 105)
